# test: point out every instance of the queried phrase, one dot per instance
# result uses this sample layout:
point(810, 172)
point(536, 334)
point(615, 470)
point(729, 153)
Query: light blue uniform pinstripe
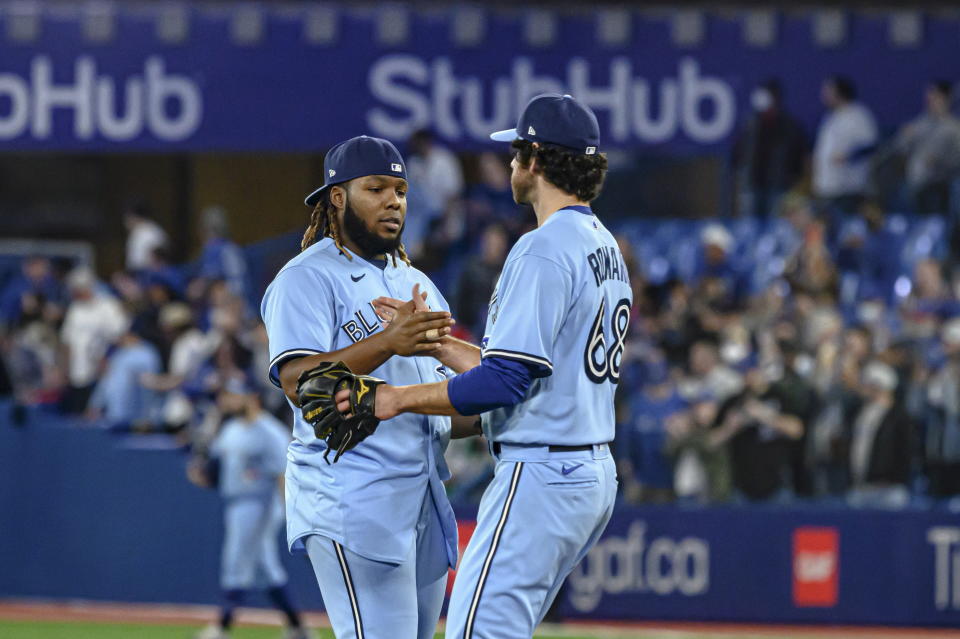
point(382, 509)
point(563, 304)
point(252, 457)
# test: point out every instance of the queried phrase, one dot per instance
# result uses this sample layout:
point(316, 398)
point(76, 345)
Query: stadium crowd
point(806, 348)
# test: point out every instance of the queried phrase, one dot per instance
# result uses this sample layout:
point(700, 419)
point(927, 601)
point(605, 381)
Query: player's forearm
point(424, 399)
point(362, 358)
point(458, 355)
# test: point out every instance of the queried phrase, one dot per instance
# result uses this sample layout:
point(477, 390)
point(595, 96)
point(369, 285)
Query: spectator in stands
point(159, 271)
point(931, 146)
point(708, 376)
point(94, 320)
point(759, 427)
point(643, 464)
point(942, 438)
point(144, 235)
point(847, 136)
point(436, 186)
point(36, 287)
point(798, 212)
point(929, 302)
point(189, 348)
point(140, 307)
point(798, 398)
point(490, 201)
point(701, 462)
point(837, 378)
point(478, 279)
point(769, 153)
point(811, 269)
point(880, 443)
point(33, 353)
point(869, 253)
point(434, 170)
point(221, 259)
point(716, 274)
point(119, 398)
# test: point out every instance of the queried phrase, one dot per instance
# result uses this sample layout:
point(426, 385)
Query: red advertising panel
point(816, 566)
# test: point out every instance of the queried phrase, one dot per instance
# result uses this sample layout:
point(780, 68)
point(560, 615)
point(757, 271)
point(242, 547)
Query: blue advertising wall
point(252, 76)
point(83, 517)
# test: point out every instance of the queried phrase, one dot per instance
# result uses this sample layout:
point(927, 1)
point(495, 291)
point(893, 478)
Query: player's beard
point(522, 188)
point(370, 243)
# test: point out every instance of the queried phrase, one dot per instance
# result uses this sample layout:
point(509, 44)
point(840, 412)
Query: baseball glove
point(316, 391)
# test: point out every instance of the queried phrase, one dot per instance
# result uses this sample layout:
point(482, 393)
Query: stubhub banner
point(772, 565)
point(297, 78)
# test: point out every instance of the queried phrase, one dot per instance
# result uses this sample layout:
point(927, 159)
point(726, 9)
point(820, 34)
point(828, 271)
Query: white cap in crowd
point(950, 333)
point(716, 235)
point(880, 375)
point(81, 278)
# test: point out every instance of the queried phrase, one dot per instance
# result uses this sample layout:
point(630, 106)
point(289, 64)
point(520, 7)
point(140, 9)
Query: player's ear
point(338, 196)
point(533, 167)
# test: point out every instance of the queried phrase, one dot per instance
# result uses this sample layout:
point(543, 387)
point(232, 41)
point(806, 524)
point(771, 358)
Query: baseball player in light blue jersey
point(543, 380)
point(249, 455)
point(377, 525)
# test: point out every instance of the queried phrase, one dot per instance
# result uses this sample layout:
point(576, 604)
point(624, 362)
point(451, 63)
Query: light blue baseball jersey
point(369, 501)
point(252, 454)
point(563, 304)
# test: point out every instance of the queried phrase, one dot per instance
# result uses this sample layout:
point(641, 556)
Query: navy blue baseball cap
point(552, 118)
point(357, 157)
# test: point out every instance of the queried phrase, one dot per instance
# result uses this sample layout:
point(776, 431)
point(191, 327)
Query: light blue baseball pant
point(368, 599)
point(250, 543)
point(538, 518)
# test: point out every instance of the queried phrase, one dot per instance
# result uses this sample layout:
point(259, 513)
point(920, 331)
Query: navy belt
point(552, 449)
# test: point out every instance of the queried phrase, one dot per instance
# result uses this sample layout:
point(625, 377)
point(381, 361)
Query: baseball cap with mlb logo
point(557, 119)
point(357, 157)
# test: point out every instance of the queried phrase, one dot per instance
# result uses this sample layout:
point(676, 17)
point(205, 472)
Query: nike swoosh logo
point(567, 471)
point(357, 279)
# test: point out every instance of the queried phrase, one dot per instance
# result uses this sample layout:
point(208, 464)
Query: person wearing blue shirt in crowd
point(644, 465)
point(36, 280)
point(159, 271)
point(119, 398)
point(716, 270)
point(245, 462)
point(222, 259)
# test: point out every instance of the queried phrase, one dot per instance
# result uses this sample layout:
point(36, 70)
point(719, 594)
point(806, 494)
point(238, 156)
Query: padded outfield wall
point(83, 517)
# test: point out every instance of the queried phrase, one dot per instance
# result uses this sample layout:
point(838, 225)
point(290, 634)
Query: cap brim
point(504, 136)
point(314, 197)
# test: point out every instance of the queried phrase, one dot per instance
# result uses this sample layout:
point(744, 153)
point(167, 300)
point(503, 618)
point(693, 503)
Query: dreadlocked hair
point(575, 173)
point(324, 223)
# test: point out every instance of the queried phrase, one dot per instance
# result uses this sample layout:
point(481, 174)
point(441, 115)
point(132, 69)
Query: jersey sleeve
point(528, 309)
point(299, 315)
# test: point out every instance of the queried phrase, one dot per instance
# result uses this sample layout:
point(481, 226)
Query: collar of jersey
point(360, 258)
point(393, 270)
point(583, 210)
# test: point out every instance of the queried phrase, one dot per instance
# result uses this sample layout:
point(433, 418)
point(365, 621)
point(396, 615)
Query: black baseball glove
point(316, 391)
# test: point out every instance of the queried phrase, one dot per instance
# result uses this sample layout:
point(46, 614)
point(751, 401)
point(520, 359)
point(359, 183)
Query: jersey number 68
point(603, 364)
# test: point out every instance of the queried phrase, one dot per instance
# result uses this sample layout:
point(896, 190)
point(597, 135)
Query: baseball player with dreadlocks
point(373, 517)
point(543, 380)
